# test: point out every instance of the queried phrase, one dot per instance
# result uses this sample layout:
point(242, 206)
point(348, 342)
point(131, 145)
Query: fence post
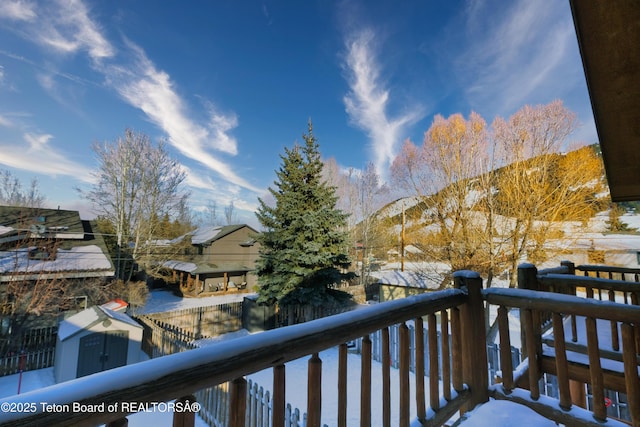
point(475, 370)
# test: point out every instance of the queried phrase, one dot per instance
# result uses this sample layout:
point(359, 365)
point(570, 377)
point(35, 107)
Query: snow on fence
point(35, 349)
point(203, 322)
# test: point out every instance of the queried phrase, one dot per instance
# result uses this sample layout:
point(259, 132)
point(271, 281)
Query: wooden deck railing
point(459, 312)
point(457, 379)
point(600, 345)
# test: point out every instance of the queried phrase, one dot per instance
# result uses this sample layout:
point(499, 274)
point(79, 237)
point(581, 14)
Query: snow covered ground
point(163, 300)
point(34, 380)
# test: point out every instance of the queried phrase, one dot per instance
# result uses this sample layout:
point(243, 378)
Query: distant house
point(621, 250)
point(38, 243)
point(401, 284)
point(222, 259)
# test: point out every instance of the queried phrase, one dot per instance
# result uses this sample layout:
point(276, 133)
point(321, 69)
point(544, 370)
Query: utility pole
point(402, 241)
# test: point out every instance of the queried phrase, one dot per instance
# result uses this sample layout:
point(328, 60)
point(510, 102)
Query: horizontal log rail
point(182, 374)
point(559, 303)
point(608, 269)
point(558, 361)
point(564, 281)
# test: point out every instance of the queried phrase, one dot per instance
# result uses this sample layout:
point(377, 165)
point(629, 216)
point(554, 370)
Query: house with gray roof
point(222, 259)
point(39, 243)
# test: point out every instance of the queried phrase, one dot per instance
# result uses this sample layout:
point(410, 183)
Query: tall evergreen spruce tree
point(303, 246)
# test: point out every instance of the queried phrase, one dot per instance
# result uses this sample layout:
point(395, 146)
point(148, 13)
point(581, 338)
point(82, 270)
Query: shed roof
point(410, 279)
point(89, 318)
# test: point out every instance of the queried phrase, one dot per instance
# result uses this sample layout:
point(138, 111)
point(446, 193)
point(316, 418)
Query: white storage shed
point(94, 340)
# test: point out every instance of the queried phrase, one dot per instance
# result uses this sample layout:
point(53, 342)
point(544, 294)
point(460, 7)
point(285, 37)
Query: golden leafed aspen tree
point(493, 198)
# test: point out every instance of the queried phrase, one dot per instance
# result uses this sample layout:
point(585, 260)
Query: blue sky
point(229, 84)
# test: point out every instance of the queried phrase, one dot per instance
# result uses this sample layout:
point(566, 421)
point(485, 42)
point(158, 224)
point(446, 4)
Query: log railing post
point(405, 357)
point(314, 391)
point(386, 379)
point(474, 338)
point(528, 279)
point(279, 390)
point(120, 422)
point(237, 402)
point(185, 418)
point(365, 383)
point(342, 385)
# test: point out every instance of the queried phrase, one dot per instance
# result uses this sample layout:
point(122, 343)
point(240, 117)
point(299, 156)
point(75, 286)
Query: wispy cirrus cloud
point(48, 159)
point(67, 28)
point(151, 90)
point(520, 55)
point(368, 100)
point(18, 10)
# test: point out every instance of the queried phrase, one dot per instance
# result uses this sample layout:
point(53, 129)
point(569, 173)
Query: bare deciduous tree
point(13, 194)
point(136, 181)
point(230, 213)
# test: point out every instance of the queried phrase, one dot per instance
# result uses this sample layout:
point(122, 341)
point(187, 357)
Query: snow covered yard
point(34, 380)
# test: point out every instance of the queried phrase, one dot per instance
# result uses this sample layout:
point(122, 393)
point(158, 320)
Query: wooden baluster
point(386, 379)
point(632, 382)
point(475, 369)
point(634, 301)
point(446, 354)
point(365, 383)
point(314, 391)
point(456, 353)
point(506, 363)
point(279, 390)
point(530, 340)
point(615, 339)
point(595, 370)
point(342, 385)
point(420, 395)
point(434, 391)
point(562, 367)
point(237, 402)
point(404, 376)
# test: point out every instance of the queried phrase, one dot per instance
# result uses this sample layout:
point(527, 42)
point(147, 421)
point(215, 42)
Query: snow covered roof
point(600, 242)
point(56, 223)
point(88, 258)
point(208, 234)
point(189, 267)
point(90, 317)
point(410, 279)
point(200, 268)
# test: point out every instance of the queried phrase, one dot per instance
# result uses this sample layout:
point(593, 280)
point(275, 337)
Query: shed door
point(101, 351)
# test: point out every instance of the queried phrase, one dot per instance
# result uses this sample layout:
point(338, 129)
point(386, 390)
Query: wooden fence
point(160, 339)
point(208, 321)
point(35, 349)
